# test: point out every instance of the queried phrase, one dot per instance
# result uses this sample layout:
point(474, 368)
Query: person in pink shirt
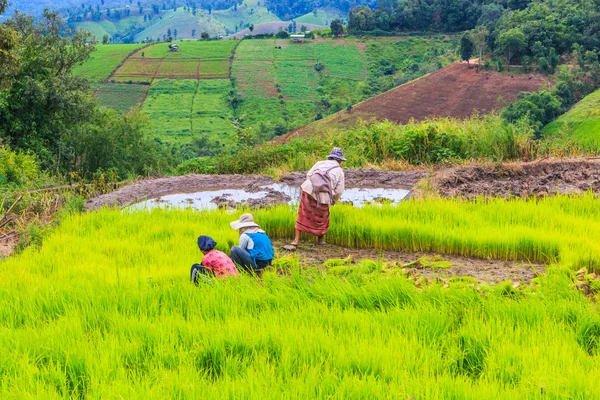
point(214, 262)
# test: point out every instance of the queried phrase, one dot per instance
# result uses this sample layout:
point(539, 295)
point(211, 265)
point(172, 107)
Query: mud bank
point(491, 271)
point(160, 187)
point(538, 178)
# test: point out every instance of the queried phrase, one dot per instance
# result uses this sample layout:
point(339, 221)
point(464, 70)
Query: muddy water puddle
point(266, 195)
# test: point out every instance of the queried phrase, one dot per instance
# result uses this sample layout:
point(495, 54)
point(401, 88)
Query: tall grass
point(551, 230)
point(104, 309)
point(438, 140)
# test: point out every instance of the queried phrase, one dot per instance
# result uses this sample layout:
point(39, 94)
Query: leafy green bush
point(17, 168)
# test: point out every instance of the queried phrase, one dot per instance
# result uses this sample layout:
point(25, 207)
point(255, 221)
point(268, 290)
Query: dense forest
point(536, 29)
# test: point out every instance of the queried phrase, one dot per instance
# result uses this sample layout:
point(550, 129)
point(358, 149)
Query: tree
point(9, 56)
point(337, 28)
point(251, 27)
point(169, 32)
point(175, 33)
point(44, 101)
point(478, 37)
point(553, 58)
point(193, 33)
point(510, 43)
point(204, 35)
point(466, 47)
point(105, 39)
point(303, 29)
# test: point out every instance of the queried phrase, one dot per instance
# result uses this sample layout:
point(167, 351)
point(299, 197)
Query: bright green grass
point(168, 107)
point(104, 309)
point(256, 110)
point(121, 97)
point(301, 112)
point(181, 110)
point(137, 70)
point(211, 114)
point(296, 52)
point(214, 68)
point(256, 78)
point(191, 49)
point(174, 69)
point(298, 80)
point(255, 49)
point(342, 61)
point(104, 60)
point(580, 126)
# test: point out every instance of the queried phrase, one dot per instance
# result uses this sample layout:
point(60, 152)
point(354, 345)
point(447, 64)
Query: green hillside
point(276, 86)
point(581, 125)
point(247, 13)
point(323, 16)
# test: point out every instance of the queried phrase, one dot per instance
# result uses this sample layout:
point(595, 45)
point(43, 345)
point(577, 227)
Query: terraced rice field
point(280, 85)
point(137, 70)
point(178, 69)
point(104, 60)
point(122, 97)
point(184, 109)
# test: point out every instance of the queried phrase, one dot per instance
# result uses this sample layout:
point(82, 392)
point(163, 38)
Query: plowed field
point(455, 91)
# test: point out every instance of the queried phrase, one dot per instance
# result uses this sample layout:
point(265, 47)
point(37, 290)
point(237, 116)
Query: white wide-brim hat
point(245, 221)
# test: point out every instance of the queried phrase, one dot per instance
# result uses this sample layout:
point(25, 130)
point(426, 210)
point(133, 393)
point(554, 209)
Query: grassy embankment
point(104, 308)
point(579, 127)
point(385, 145)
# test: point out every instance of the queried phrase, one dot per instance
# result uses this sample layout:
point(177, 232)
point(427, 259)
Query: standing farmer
point(322, 188)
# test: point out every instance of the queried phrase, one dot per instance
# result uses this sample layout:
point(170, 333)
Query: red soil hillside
point(455, 91)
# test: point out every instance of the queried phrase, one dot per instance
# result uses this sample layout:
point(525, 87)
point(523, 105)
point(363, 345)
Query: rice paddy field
point(580, 126)
point(121, 96)
point(104, 309)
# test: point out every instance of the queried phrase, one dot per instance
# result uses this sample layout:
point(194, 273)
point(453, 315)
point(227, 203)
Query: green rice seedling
point(104, 308)
point(429, 262)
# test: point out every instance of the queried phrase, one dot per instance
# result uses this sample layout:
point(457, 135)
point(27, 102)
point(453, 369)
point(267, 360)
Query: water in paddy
point(206, 200)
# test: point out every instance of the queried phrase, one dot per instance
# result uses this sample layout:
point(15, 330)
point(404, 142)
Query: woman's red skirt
point(313, 218)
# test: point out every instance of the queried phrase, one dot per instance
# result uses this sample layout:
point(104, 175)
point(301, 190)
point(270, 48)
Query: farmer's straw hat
point(336, 154)
point(245, 221)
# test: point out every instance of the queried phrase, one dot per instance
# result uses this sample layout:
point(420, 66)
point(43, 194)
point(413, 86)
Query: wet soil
point(537, 178)
point(154, 188)
point(491, 271)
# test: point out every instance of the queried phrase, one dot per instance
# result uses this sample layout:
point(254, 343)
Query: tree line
point(540, 30)
point(47, 112)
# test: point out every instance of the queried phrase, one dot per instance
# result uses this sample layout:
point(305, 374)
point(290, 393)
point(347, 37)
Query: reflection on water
point(203, 200)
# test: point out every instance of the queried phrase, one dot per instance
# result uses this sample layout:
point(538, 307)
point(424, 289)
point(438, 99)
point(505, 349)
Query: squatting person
point(214, 263)
point(255, 250)
point(322, 188)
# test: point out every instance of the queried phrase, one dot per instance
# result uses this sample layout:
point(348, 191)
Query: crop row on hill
point(108, 310)
point(181, 110)
point(580, 127)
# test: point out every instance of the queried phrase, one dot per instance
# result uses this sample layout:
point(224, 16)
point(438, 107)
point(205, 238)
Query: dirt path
point(492, 271)
point(537, 178)
point(154, 188)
